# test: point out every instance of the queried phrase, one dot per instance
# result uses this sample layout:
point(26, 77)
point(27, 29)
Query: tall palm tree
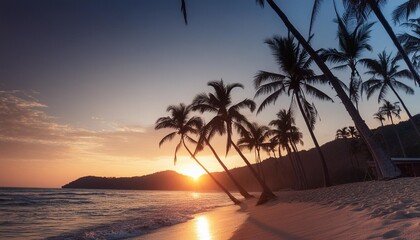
point(404, 10)
point(387, 169)
point(297, 80)
point(411, 41)
point(227, 117)
point(352, 44)
point(252, 137)
point(183, 125)
point(361, 9)
point(392, 109)
point(385, 75)
point(287, 135)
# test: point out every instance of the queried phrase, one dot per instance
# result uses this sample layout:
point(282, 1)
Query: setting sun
point(193, 171)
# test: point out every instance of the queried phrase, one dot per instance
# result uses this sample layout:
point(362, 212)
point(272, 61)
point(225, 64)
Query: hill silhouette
point(346, 160)
point(165, 180)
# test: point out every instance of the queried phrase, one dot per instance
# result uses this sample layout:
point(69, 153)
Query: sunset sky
point(82, 82)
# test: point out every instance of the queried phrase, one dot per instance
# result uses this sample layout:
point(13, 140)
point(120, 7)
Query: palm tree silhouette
point(385, 74)
point(352, 43)
point(342, 133)
point(253, 136)
point(404, 10)
point(392, 109)
point(387, 169)
point(411, 41)
point(183, 126)
point(227, 117)
point(296, 81)
point(288, 135)
point(361, 9)
point(380, 117)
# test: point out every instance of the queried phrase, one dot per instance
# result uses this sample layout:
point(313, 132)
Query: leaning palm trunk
point(241, 190)
point(301, 170)
point(327, 181)
point(266, 194)
point(292, 162)
point(394, 39)
point(398, 137)
point(406, 110)
point(260, 166)
point(382, 160)
point(234, 200)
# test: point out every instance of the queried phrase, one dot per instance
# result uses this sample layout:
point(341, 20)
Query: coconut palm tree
point(387, 169)
point(288, 135)
point(352, 44)
point(361, 9)
point(270, 148)
point(392, 109)
point(342, 133)
point(353, 133)
point(183, 125)
point(227, 117)
point(404, 10)
point(385, 75)
point(297, 81)
point(252, 137)
point(380, 117)
point(411, 41)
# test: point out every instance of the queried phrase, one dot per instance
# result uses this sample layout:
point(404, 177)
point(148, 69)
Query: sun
point(193, 171)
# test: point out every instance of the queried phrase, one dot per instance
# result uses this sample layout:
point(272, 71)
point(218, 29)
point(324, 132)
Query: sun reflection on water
point(195, 195)
point(203, 228)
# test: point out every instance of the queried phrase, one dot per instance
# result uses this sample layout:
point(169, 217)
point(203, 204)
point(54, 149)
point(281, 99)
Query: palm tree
point(385, 74)
point(270, 147)
point(227, 117)
point(296, 81)
point(287, 136)
point(253, 136)
point(352, 43)
point(392, 109)
point(183, 126)
point(411, 41)
point(361, 9)
point(342, 133)
point(387, 169)
point(353, 133)
point(380, 117)
point(404, 10)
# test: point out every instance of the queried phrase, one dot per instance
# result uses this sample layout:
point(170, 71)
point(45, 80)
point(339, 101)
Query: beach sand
point(366, 210)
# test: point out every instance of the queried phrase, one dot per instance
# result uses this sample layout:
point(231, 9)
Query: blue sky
point(111, 67)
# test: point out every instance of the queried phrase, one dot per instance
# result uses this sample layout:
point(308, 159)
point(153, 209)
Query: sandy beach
point(365, 210)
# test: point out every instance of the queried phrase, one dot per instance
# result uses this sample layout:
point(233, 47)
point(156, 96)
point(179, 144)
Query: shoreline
point(362, 210)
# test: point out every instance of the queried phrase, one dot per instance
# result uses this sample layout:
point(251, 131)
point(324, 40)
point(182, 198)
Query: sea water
point(31, 213)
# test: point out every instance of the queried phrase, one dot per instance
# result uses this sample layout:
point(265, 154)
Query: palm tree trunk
point(388, 29)
point(241, 190)
point(234, 200)
point(406, 110)
point(383, 160)
point(260, 164)
point(300, 165)
point(327, 181)
point(266, 194)
point(292, 162)
point(398, 138)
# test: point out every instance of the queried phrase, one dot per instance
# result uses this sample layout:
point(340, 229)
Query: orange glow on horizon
point(193, 171)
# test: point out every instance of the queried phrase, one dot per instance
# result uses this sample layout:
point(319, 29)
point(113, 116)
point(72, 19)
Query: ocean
point(35, 213)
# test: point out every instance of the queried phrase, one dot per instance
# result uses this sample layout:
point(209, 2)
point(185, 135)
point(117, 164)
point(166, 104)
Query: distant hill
point(166, 180)
point(346, 161)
